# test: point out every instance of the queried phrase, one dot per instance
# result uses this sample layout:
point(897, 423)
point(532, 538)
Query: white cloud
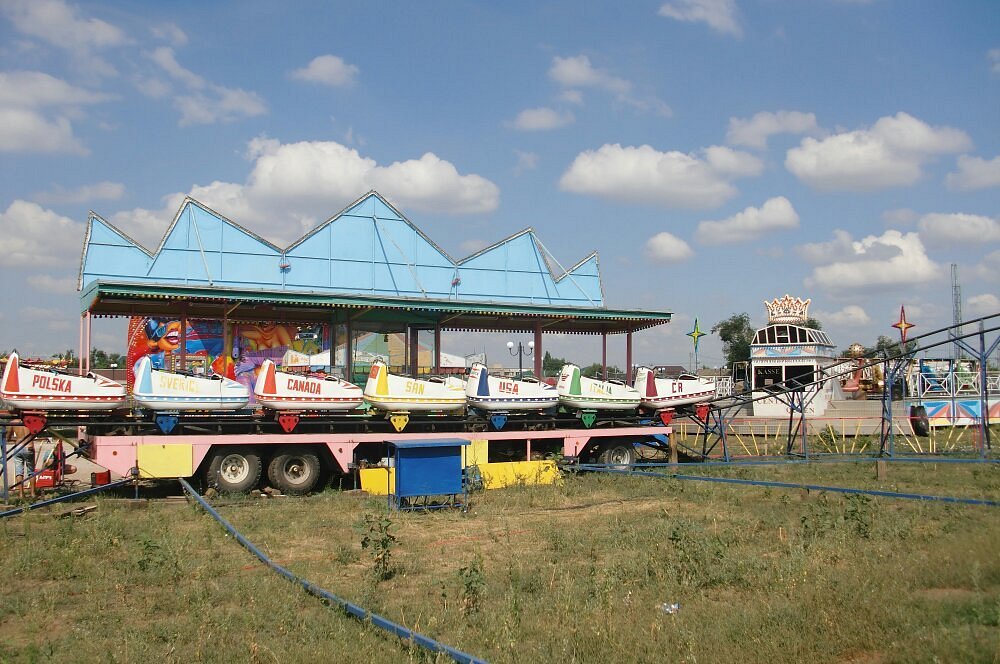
point(26, 131)
point(974, 173)
point(733, 163)
point(875, 262)
point(35, 89)
point(775, 214)
point(571, 96)
point(958, 228)
point(753, 133)
point(328, 70)
point(668, 248)
point(890, 154)
point(669, 179)
point(720, 15)
point(849, 316)
point(107, 191)
point(578, 72)
point(541, 119)
point(994, 59)
point(526, 161)
point(34, 113)
point(60, 25)
point(983, 305)
point(294, 186)
point(431, 184)
point(30, 231)
point(899, 217)
point(49, 284)
point(989, 268)
point(170, 32)
point(206, 102)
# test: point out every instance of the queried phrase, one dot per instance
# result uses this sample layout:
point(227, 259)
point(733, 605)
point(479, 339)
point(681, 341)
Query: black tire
point(234, 469)
point(918, 420)
point(617, 453)
point(295, 470)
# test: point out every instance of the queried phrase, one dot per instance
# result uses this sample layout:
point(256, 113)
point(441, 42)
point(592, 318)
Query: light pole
point(521, 351)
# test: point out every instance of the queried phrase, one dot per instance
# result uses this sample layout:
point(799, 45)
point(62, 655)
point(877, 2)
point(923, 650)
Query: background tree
point(596, 370)
point(551, 366)
point(736, 334)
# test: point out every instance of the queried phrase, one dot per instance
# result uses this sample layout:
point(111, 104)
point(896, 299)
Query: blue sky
point(716, 153)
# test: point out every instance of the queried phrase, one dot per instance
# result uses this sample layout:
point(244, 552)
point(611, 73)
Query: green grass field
point(575, 572)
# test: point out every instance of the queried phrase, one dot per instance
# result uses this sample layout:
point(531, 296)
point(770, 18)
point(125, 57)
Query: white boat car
point(401, 394)
point(659, 393)
point(279, 390)
point(493, 394)
point(577, 391)
point(25, 388)
point(157, 389)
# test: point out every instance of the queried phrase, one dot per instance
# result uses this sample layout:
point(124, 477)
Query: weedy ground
point(578, 571)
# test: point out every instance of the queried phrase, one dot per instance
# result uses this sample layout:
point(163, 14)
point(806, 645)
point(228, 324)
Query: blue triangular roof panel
point(370, 247)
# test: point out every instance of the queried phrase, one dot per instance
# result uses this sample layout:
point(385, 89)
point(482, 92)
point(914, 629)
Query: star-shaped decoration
point(696, 334)
point(902, 325)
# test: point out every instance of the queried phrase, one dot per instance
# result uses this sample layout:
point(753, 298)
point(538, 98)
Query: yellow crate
point(511, 473)
point(378, 481)
point(165, 460)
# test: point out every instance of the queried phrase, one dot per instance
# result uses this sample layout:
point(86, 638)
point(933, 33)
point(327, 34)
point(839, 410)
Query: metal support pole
point(349, 352)
point(437, 348)
point(79, 368)
point(984, 402)
point(628, 356)
point(86, 355)
point(538, 351)
point(604, 355)
point(414, 336)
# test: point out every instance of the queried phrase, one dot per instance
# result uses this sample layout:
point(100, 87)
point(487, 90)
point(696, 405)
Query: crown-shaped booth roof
point(368, 248)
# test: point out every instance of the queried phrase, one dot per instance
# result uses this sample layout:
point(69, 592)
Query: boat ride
point(158, 389)
point(660, 393)
point(495, 393)
point(280, 390)
point(578, 391)
point(393, 393)
point(26, 387)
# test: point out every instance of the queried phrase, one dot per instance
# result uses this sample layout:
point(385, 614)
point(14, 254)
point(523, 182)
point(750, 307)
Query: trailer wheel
point(618, 453)
point(234, 469)
point(918, 420)
point(294, 470)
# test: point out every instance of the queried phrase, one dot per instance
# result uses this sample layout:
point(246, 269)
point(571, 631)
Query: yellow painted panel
point(373, 480)
point(165, 460)
point(495, 475)
point(475, 453)
point(499, 475)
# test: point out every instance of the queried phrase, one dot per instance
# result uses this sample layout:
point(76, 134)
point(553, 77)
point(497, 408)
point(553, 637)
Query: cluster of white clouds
point(573, 75)
point(669, 179)
point(753, 133)
point(719, 15)
point(875, 262)
point(889, 154)
point(37, 110)
point(292, 187)
point(200, 102)
point(774, 215)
